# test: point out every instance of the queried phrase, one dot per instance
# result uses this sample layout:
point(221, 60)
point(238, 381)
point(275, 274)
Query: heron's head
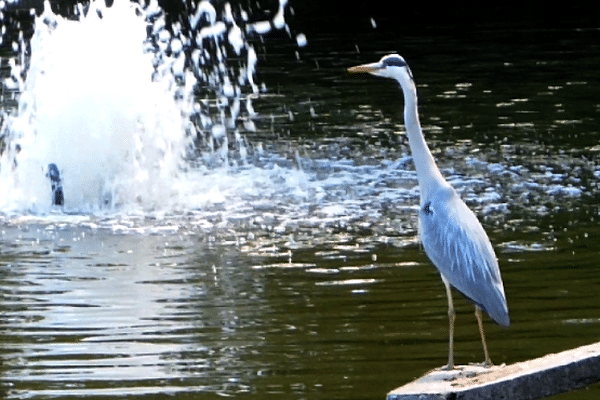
point(390, 66)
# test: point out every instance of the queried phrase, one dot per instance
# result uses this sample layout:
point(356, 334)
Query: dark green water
point(329, 296)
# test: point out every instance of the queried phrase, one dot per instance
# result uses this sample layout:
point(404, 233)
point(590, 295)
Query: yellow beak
point(365, 68)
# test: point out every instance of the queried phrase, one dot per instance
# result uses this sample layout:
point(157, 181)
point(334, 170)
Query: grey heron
point(451, 234)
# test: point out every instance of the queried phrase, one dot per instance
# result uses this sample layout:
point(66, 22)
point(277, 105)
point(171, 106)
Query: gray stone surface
point(532, 379)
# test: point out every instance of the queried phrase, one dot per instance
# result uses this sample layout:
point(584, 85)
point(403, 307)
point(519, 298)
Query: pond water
point(295, 270)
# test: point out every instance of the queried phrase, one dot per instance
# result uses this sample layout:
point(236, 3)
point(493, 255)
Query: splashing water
point(115, 107)
point(141, 118)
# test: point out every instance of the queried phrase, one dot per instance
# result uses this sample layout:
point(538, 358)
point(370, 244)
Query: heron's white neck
point(428, 174)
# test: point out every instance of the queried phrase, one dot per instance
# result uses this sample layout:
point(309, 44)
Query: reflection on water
point(88, 312)
point(305, 279)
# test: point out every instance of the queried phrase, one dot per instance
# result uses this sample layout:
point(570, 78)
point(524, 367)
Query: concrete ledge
point(532, 379)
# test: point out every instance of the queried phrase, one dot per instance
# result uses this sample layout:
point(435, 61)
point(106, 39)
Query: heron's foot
point(484, 364)
point(448, 367)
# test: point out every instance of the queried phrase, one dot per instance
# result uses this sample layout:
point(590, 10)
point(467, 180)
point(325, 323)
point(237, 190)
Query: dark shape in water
point(57, 191)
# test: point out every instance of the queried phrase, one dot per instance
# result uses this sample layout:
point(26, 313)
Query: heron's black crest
point(394, 60)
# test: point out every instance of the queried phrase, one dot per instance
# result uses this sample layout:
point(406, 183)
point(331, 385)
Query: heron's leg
point(451, 317)
point(487, 361)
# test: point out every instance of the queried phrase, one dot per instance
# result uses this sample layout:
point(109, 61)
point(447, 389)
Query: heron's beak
point(365, 68)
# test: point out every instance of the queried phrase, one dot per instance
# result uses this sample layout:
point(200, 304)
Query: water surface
point(305, 279)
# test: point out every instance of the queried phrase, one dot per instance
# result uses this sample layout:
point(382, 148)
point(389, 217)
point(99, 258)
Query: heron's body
point(451, 235)
point(456, 243)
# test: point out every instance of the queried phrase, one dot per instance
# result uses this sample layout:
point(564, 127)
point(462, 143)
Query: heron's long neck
point(428, 174)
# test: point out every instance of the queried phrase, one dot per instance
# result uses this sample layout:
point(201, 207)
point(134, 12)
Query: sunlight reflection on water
point(300, 273)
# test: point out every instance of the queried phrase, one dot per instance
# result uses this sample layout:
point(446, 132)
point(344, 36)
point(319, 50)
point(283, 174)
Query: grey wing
point(458, 246)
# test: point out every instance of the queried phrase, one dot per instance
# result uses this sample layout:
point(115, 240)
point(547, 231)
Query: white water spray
point(114, 107)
